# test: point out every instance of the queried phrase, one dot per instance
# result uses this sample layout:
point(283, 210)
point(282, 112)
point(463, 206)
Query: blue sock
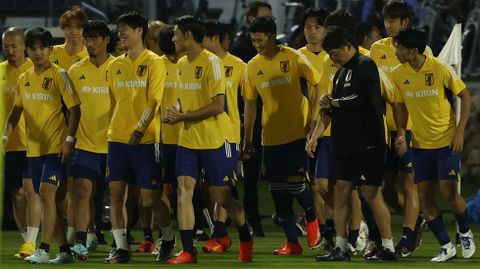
point(373, 232)
point(45, 247)
point(219, 229)
point(438, 229)
point(147, 234)
point(352, 237)
point(329, 229)
point(462, 220)
point(304, 196)
point(290, 228)
point(407, 237)
point(187, 241)
point(81, 238)
point(65, 249)
point(244, 233)
point(283, 201)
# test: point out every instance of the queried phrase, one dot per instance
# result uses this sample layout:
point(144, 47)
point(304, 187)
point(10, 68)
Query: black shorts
point(16, 169)
point(361, 168)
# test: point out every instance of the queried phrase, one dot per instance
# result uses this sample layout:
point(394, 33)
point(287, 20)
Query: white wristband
point(70, 139)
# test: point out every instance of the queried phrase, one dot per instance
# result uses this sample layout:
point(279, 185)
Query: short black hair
point(254, 6)
point(337, 37)
point(363, 30)
point(114, 39)
point(135, 20)
point(165, 40)
point(95, 28)
point(317, 13)
point(193, 24)
point(397, 9)
point(263, 25)
point(412, 38)
point(38, 34)
point(341, 18)
point(214, 27)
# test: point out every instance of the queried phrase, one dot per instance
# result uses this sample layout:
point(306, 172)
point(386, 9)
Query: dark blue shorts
point(46, 169)
point(215, 162)
point(324, 163)
point(284, 161)
point(169, 155)
point(435, 164)
point(396, 164)
point(16, 169)
point(142, 161)
point(233, 156)
point(88, 165)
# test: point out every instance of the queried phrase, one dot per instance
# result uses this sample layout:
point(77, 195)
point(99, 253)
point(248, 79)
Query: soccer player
point(202, 138)
point(355, 107)
point(424, 90)
point(42, 90)
point(154, 29)
point(398, 15)
point(26, 203)
point(89, 77)
point(274, 75)
point(234, 74)
point(134, 130)
point(366, 34)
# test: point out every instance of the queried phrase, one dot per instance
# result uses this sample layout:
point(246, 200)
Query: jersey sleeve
point(306, 70)
point(66, 89)
point(398, 98)
point(18, 94)
point(249, 90)
point(451, 80)
point(386, 86)
point(215, 77)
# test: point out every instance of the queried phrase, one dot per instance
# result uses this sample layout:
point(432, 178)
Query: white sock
point(388, 244)
point(341, 243)
point(24, 236)
point(71, 236)
point(120, 236)
point(91, 237)
point(32, 233)
point(167, 233)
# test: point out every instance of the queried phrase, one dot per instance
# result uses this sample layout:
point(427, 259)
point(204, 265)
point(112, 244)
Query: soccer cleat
point(158, 245)
point(336, 255)
point(468, 245)
point(146, 247)
point(166, 250)
point(313, 233)
point(40, 256)
point(80, 252)
point(62, 258)
point(402, 251)
point(183, 258)
point(289, 249)
point(325, 244)
point(27, 249)
point(213, 246)
point(371, 249)
point(120, 256)
point(92, 245)
point(111, 253)
point(446, 253)
point(246, 251)
point(383, 255)
point(419, 229)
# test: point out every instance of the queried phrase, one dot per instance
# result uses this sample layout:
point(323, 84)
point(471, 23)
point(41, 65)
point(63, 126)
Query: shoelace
point(465, 242)
point(443, 251)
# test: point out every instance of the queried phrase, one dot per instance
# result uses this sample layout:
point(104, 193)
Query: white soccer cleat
point(468, 245)
point(40, 256)
point(62, 258)
point(446, 253)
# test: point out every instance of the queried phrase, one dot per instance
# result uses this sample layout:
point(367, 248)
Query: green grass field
point(263, 257)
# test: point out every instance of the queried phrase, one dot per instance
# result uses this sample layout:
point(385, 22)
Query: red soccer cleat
point(246, 251)
point(313, 233)
point(226, 242)
point(289, 249)
point(213, 246)
point(183, 258)
point(146, 247)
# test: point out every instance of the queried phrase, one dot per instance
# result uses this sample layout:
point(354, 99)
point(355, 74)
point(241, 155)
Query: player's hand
point(66, 152)
point(401, 145)
point(135, 138)
point(457, 143)
point(325, 101)
point(247, 151)
point(311, 146)
point(173, 115)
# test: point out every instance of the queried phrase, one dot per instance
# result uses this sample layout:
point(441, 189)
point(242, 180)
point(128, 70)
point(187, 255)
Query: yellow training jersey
point(235, 78)
point(170, 98)
point(8, 85)
point(316, 59)
point(90, 83)
point(136, 89)
point(199, 81)
point(277, 81)
point(426, 94)
point(383, 53)
point(61, 58)
point(41, 98)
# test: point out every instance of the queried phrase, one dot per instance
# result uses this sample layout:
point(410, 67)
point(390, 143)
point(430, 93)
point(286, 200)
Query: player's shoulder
point(58, 49)
point(82, 63)
point(381, 43)
point(234, 59)
point(26, 74)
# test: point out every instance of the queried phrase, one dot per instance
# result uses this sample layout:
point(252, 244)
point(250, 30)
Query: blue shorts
point(434, 164)
point(169, 154)
point(396, 164)
point(140, 161)
point(215, 162)
point(88, 165)
point(16, 169)
point(284, 161)
point(46, 169)
point(324, 163)
point(233, 156)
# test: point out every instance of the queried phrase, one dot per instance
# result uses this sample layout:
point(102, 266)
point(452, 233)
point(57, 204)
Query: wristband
point(70, 139)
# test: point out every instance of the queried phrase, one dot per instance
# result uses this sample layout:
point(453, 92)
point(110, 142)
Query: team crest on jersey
point(228, 71)
point(284, 66)
point(141, 70)
point(429, 79)
point(198, 72)
point(47, 83)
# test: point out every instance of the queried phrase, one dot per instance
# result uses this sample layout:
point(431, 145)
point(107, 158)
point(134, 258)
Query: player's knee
point(450, 194)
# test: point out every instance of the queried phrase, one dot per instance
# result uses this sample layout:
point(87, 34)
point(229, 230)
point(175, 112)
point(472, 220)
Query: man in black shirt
point(355, 108)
